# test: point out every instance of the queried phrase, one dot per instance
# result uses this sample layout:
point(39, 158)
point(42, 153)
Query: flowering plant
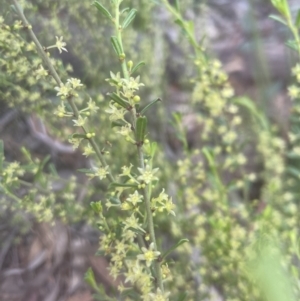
point(197, 233)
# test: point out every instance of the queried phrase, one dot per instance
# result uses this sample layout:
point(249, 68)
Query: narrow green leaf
point(116, 124)
point(41, 167)
point(129, 18)
point(1, 155)
point(153, 148)
point(97, 207)
point(180, 23)
point(76, 135)
point(177, 5)
point(209, 156)
point(190, 27)
point(13, 8)
point(253, 109)
point(117, 99)
point(139, 231)
point(297, 20)
point(124, 10)
point(26, 153)
point(89, 277)
point(116, 45)
point(103, 10)
point(137, 66)
point(115, 184)
point(86, 170)
point(168, 252)
point(53, 170)
point(282, 6)
point(141, 125)
point(114, 200)
point(278, 19)
point(149, 106)
point(292, 44)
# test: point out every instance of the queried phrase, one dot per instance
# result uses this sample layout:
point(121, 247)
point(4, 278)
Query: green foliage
point(212, 232)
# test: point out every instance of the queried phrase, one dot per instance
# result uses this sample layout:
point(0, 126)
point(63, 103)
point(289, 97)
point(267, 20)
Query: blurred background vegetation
point(49, 233)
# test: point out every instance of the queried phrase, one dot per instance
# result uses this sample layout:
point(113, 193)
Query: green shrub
point(170, 233)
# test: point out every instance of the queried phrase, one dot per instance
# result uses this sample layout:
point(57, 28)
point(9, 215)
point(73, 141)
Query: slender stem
point(187, 30)
point(295, 33)
point(7, 192)
point(56, 77)
point(147, 189)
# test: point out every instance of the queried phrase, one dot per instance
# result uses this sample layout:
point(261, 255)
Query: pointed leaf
point(141, 125)
point(149, 106)
point(129, 18)
point(41, 167)
point(97, 207)
point(278, 19)
point(116, 45)
point(168, 252)
point(115, 184)
point(117, 99)
point(292, 44)
point(114, 200)
point(53, 170)
point(282, 7)
point(86, 170)
point(14, 9)
point(153, 148)
point(26, 153)
point(116, 124)
point(177, 5)
point(137, 66)
point(89, 277)
point(124, 10)
point(297, 20)
point(76, 135)
point(139, 231)
point(103, 10)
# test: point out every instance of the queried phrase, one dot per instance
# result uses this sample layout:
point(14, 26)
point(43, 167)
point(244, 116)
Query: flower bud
point(136, 99)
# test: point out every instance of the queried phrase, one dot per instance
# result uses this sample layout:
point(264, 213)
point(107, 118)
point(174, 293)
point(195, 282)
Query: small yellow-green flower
point(80, 121)
point(134, 198)
point(88, 150)
point(126, 170)
point(63, 90)
point(147, 174)
point(148, 254)
point(294, 92)
point(92, 106)
point(74, 82)
point(102, 172)
point(60, 44)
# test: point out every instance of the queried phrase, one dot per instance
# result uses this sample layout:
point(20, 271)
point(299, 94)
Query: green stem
point(59, 82)
point(184, 25)
point(7, 192)
point(295, 33)
point(147, 189)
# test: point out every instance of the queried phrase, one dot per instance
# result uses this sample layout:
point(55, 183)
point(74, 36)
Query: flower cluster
point(68, 89)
